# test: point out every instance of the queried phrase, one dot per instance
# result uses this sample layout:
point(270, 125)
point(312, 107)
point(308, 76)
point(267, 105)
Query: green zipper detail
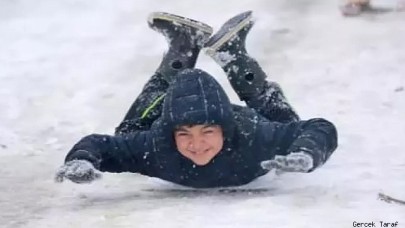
point(153, 105)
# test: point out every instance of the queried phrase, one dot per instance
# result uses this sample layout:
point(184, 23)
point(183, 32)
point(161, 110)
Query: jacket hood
point(195, 97)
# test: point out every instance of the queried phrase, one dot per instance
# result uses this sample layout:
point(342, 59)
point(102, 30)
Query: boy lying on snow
point(182, 128)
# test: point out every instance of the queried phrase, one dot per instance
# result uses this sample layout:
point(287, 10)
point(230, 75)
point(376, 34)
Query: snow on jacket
point(195, 97)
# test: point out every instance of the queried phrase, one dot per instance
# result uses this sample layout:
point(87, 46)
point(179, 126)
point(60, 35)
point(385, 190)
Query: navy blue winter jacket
point(196, 98)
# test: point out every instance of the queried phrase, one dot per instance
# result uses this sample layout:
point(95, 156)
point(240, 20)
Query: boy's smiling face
point(199, 143)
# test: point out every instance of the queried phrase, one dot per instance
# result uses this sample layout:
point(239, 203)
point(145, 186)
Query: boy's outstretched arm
point(299, 146)
point(127, 153)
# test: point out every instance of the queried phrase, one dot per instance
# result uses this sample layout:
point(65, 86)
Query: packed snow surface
point(69, 68)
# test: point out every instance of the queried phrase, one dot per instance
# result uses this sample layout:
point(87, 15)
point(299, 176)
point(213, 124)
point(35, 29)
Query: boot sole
point(181, 20)
point(228, 32)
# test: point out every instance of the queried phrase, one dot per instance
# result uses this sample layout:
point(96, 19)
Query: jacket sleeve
point(132, 152)
point(318, 137)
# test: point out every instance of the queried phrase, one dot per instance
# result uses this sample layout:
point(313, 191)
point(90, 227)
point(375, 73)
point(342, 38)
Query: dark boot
point(227, 48)
point(185, 36)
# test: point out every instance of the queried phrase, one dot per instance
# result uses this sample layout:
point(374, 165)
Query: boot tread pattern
point(181, 20)
point(228, 31)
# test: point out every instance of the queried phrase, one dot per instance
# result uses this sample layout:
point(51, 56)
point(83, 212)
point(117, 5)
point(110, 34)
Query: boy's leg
point(227, 48)
point(146, 108)
point(185, 38)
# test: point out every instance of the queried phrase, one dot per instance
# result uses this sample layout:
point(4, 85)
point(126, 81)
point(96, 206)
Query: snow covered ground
point(69, 68)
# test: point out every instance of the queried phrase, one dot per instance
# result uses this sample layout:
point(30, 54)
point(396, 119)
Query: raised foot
point(230, 30)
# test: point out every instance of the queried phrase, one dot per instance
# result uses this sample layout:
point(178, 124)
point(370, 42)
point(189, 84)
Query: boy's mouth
point(200, 152)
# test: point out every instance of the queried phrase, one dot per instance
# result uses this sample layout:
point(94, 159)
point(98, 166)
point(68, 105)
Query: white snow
point(223, 58)
point(70, 68)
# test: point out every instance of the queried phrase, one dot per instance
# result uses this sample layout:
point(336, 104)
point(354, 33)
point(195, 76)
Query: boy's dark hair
point(177, 128)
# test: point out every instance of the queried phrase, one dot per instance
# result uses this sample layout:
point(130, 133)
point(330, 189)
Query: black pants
point(271, 104)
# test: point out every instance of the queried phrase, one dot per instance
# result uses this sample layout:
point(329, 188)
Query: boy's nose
point(196, 145)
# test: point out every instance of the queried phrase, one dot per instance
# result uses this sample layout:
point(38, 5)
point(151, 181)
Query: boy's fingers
point(269, 164)
point(59, 176)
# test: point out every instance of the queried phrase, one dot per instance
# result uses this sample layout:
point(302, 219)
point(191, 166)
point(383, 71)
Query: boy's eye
point(181, 134)
point(208, 131)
